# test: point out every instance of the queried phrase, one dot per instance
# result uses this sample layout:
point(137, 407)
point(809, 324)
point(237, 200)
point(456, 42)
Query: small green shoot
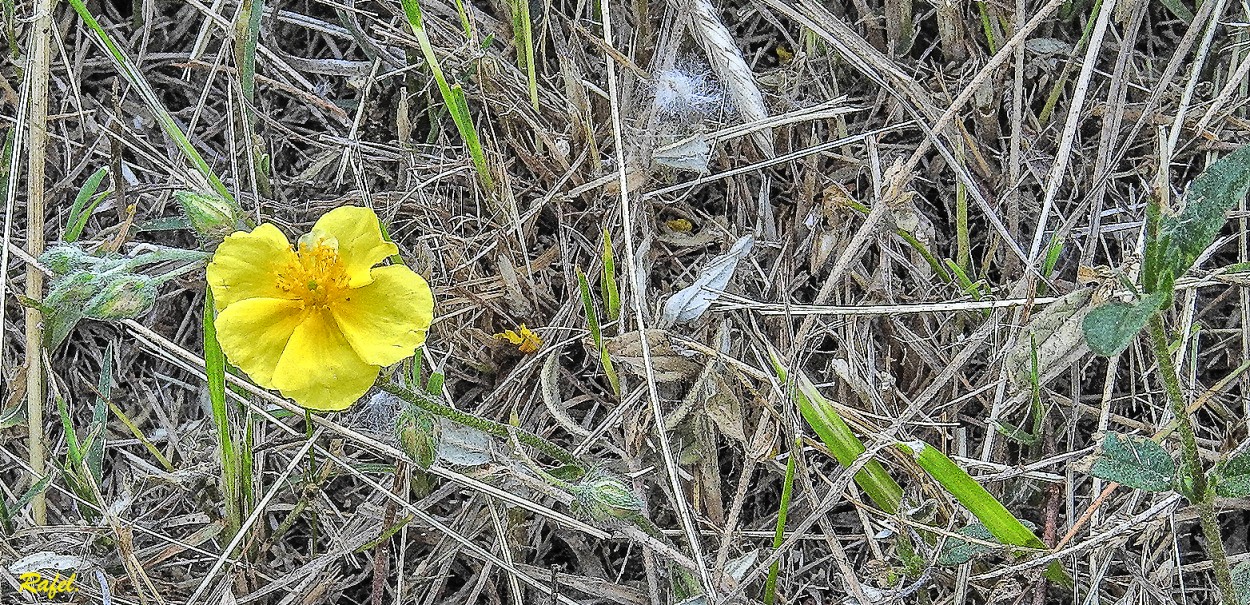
point(970, 287)
point(84, 204)
point(779, 535)
point(1052, 258)
point(596, 333)
point(1036, 411)
point(607, 280)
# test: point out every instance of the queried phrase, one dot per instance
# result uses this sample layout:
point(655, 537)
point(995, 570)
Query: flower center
point(316, 275)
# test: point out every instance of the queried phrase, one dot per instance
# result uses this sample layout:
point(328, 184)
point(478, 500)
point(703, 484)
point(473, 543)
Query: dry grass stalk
point(727, 63)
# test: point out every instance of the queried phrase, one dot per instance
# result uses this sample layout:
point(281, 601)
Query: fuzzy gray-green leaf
point(1241, 583)
point(957, 552)
point(1110, 328)
point(1186, 234)
point(1135, 462)
point(1232, 477)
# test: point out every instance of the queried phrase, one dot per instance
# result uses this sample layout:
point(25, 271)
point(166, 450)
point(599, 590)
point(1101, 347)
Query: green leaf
point(1110, 328)
point(84, 204)
point(1232, 477)
point(988, 510)
point(39, 487)
point(13, 415)
point(215, 371)
point(1241, 584)
point(1182, 237)
point(957, 552)
point(1135, 462)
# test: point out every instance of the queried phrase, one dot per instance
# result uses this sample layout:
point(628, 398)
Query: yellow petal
point(360, 243)
point(386, 320)
point(246, 266)
point(319, 369)
point(253, 334)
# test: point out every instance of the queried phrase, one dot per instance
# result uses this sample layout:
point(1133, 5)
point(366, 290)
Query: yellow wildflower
point(317, 322)
point(526, 341)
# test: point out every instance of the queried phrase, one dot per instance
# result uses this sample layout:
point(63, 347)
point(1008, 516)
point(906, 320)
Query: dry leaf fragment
point(691, 154)
point(668, 363)
point(1057, 332)
point(691, 302)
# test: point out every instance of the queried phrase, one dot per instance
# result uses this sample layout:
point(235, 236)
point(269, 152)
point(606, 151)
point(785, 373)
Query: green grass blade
point(153, 103)
point(247, 37)
point(33, 491)
point(596, 334)
point(94, 449)
point(987, 509)
point(523, 37)
point(779, 535)
point(981, 503)
point(6, 518)
point(1052, 258)
point(84, 204)
point(74, 448)
point(820, 414)
point(147, 444)
point(453, 96)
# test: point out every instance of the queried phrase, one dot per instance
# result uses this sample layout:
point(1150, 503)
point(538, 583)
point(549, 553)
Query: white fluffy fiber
point(685, 92)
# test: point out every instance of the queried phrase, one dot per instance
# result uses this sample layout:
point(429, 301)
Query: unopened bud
point(602, 497)
point(64, 304)
point(66, 259)
point(212, 216)
point(418, 432)
point(124, 297)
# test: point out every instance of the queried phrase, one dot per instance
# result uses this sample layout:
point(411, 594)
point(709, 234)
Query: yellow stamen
point(316, 275)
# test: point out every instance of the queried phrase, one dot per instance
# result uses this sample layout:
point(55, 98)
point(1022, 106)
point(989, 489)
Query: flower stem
point(502, 431)
point(312, 481)
point(1194, 485)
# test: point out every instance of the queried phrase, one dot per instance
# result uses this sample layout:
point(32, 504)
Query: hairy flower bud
point(602, 497)
point(212, 216)
point(125, 296)
point(419, 433)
